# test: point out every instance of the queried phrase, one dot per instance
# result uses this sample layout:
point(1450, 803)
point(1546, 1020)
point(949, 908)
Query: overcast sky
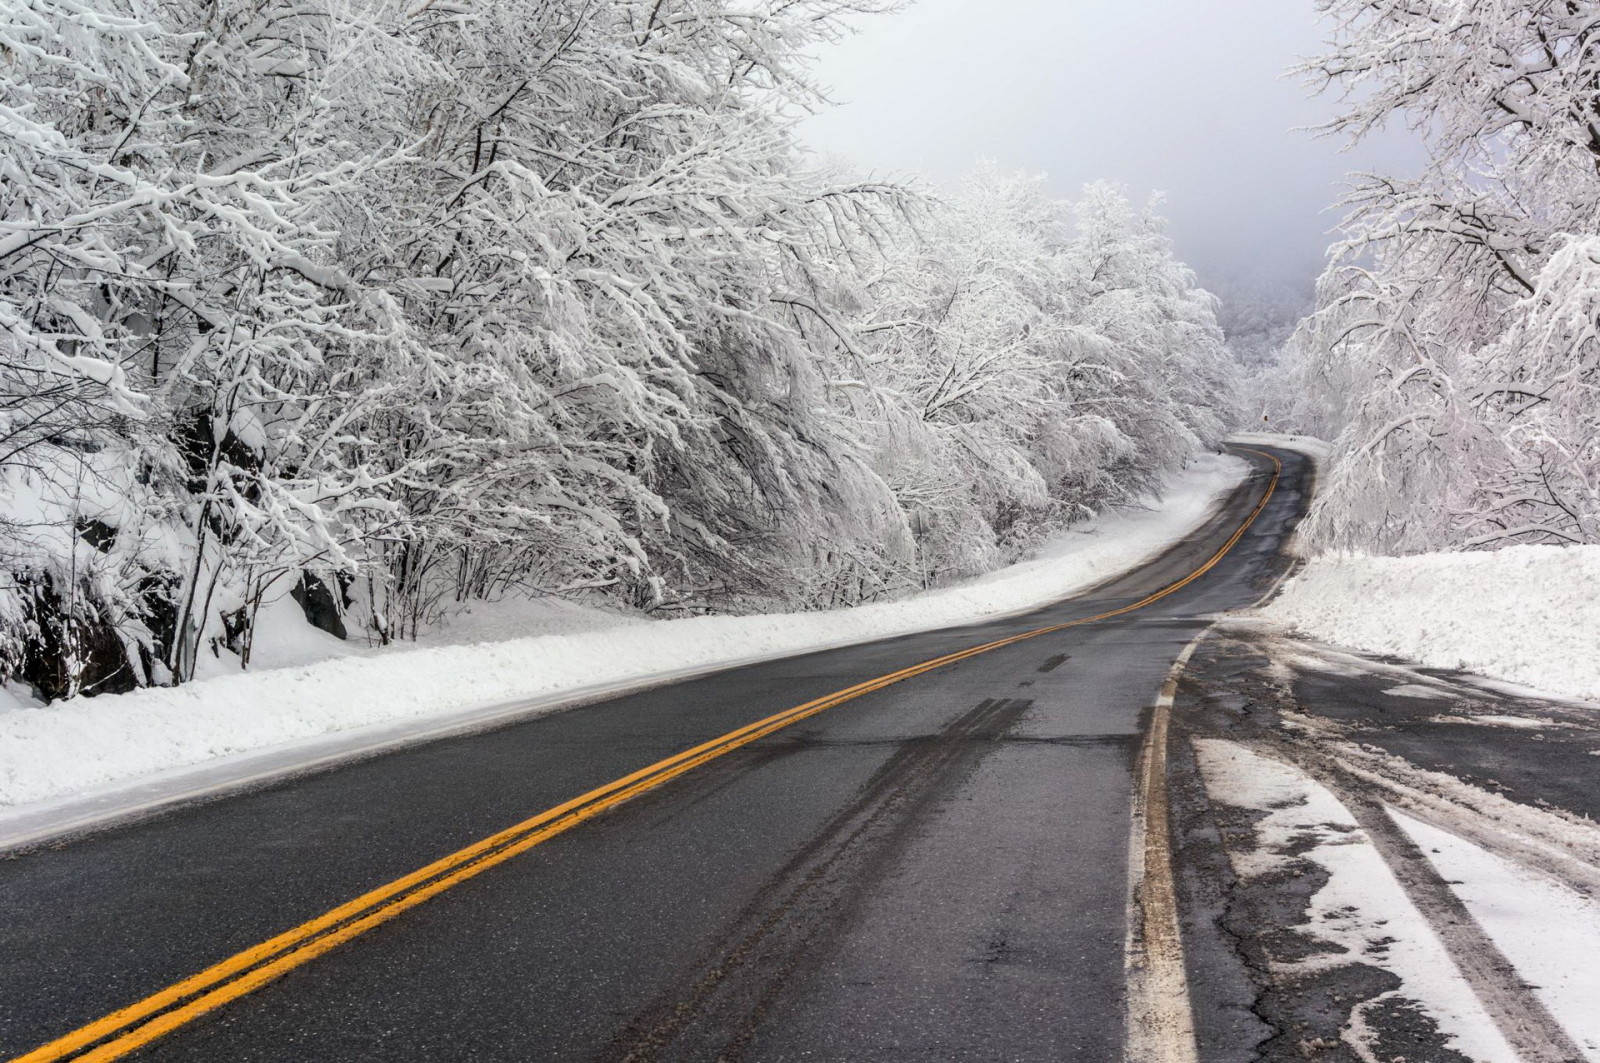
point(1184, 96)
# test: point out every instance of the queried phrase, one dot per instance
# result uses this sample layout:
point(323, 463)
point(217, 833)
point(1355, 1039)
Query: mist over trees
point(1258, 314)
point(1454, 354)
point(400, 305)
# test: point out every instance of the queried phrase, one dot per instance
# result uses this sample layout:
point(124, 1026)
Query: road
point(935, 868)
point(1507, 771)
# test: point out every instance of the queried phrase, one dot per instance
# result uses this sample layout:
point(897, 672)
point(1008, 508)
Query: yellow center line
point(138, 1024)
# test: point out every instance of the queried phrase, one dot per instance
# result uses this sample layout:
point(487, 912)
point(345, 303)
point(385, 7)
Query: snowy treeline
point(398, 304)
point(1258, 314)
point(1009, 367)
point(1455, 353)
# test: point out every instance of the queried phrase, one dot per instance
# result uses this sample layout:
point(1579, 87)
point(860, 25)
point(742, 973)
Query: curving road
point(935, 867)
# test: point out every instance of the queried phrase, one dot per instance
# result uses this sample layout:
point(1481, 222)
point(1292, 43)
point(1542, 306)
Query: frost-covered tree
point(1020, 362)
point(395, 305)
point(599, 226)
point(1454, 348)
point(178, 178)
point(1258, 314)
point(443, 296)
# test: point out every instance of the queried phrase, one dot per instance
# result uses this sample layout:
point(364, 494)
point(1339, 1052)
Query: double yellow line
point(131, 1027)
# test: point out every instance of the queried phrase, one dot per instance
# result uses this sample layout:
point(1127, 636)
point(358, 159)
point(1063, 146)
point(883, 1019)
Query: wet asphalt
point(933, 871)
point(1529, 749)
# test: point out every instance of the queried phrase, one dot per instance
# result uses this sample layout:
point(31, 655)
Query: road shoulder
point(1292, 964)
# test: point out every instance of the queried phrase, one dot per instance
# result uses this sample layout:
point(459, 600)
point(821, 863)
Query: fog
point(1172, 95)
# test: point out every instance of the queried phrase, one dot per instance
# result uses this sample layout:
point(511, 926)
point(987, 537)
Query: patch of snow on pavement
point(68, 748)
point(1550, 933)
point(1417, 690)
point(1547, 834)
point(1362, 908)
point(1528, 614)
point(1526, 723)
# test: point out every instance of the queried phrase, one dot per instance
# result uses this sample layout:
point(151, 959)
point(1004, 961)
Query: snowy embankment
point(1525, 614)
point(47, 752)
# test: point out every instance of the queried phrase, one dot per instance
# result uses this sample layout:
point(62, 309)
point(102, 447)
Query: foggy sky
point(1183, 96)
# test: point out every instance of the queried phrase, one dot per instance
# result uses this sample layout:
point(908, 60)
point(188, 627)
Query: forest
point(391, 306)
point(1453, 356)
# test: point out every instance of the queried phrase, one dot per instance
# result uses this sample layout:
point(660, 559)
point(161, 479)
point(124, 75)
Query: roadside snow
point(16, 696)
point(63, 749)
point(1528, 614)
point(522, 618)
point(285, 640)
point(1548, 932)
point(1362, 911)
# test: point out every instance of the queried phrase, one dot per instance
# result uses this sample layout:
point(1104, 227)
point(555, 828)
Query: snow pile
point(68, 747)
point(1527, 614)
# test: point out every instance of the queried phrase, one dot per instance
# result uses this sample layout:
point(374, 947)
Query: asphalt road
point(934, 870)
point(1491, 765)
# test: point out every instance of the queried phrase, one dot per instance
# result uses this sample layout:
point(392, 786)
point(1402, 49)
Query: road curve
point(935, 868)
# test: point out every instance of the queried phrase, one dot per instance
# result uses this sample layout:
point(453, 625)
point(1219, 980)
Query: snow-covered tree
point(598, 228)
point(1454, 346)
point(396, 305)
point(1020, 362)
point(1258, 314)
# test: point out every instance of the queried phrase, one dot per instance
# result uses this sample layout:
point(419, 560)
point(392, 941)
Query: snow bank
point(48, 752)
point(1527, 614)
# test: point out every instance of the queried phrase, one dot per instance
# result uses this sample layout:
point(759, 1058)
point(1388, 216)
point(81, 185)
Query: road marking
point(1160, 1018)
point(1160, 1013)
point(138, 1024)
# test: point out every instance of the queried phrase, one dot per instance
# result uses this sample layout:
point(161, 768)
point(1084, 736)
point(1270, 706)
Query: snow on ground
point(67, 748)
point(283, 639)
point(1528, 614)
point(1362, 911)
point(1548, 932)
point(1417, 690)
point(16, 696)
point(522, 618)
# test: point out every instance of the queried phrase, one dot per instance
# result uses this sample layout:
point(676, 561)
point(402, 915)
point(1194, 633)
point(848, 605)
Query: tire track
point(1513, 1005)
point(731, 990)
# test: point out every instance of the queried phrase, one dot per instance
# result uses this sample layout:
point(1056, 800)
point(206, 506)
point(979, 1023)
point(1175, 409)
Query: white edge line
point(1160, 1013)
point(1160, 1019)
